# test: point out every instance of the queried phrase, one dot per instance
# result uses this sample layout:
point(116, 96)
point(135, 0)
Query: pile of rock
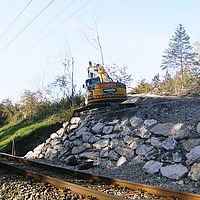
point(165, 148)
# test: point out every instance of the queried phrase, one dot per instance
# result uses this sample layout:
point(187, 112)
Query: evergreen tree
point(180, 53)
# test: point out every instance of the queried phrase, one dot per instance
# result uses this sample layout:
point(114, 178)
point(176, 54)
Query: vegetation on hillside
point(19, 121)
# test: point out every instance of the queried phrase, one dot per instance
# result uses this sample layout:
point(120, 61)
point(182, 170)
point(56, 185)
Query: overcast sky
point(133, 33)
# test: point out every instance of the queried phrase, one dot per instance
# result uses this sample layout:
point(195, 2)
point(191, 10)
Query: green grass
point(19, 131)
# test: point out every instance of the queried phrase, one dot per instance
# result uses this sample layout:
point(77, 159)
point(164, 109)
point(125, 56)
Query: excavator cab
point(100, 87)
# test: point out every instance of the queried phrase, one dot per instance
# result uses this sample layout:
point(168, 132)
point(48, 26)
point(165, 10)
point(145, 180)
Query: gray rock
point(97, 128)
point(177, 157)
point(198, 128)
point(104, 152)
point(73, 136)
point(114, 122)
point(137, 160)
point(143, 133)
point(94, 139)
point(114, 143)
point(128, 153)
point(86, 136)
point(194, 173)
point(178, 133)
point(101, 144)
point(102, 163)
point(136, 143)
point(126, 131)
point(89, 155)
point(189, 144)
point(144, 149)
point(82, 131)
point(80, 149)
point(152, 167)
point(121, 161)
point(162, 129)
point(150, 122)
point(193, 155)
point(111, 136)
point(124, 123)
point(107, 129)
point(76, 142)
point(128, 139)
point(113, 155)
point(66, 144)
point(135, 122)
point(154, 154)
point(176, 171)
point(116, 128)
point(169, 144)
point(156, 142)
point(64, 153)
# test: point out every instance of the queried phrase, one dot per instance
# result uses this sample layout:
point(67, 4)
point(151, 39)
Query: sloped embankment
point(160, 135)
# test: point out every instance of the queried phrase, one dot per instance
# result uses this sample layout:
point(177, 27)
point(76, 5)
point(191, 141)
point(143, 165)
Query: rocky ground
point(156, 142)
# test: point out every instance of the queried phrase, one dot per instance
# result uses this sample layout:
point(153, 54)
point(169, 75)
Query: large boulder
point(152, 166)
point(162, 129)
point(175, 172)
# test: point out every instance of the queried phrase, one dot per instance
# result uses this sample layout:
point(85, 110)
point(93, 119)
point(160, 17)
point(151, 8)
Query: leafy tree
point(180, 53)
point(143, 86)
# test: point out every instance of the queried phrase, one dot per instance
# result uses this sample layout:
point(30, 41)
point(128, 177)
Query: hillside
point(155, 142)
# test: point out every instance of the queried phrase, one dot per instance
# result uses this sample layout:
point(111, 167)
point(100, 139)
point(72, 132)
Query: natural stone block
point(176, 171)
point(101, 144)
point(152, 166)
point(169, 144)
point(162, 129)
point(97, 128)
point(144, 149)
point(121, 161)
point(150, 122)
point(135, 122)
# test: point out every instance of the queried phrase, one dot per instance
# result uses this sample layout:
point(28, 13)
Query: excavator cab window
point(92, 81)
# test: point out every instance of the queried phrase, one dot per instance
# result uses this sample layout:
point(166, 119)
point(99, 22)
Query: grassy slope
point(20, 131)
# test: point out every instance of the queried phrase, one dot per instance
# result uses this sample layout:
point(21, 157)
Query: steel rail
point(63, 185)
point(134, 186)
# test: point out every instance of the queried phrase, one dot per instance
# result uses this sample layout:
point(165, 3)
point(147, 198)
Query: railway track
point(88, 186)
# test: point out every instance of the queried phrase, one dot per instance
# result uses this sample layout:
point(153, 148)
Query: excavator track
point(100, 108)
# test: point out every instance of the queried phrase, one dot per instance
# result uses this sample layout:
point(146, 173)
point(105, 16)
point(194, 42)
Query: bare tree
point(65, 81)
point(120, 74)
point(94, 40)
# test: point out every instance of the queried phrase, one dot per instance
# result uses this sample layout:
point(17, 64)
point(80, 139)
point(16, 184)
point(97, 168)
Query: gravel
point(135, 173)
point(15, 187)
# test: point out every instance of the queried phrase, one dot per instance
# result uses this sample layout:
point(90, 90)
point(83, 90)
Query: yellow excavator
point(100, 88)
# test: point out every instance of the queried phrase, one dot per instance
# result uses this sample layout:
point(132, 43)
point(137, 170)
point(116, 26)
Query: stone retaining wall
point(171, 149)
